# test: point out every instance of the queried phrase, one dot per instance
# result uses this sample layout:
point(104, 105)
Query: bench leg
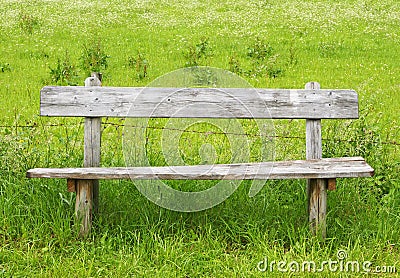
point(317, 203)
point(84, 205)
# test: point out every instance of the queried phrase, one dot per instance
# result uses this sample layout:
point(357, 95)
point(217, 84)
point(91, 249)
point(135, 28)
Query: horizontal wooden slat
point(198, 103)
point(346, 167)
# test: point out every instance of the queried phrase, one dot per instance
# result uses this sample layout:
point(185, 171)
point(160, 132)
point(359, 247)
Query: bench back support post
point(316, 188)
point(92, 150)
point(87, 192)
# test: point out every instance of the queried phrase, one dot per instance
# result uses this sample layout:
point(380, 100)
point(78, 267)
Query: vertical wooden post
point(84, 205)
point(87, 191)
point(316, 188)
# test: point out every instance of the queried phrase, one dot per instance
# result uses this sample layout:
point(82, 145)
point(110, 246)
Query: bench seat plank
point(326, 168)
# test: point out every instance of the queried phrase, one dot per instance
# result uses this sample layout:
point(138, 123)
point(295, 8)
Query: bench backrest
point(198, 103)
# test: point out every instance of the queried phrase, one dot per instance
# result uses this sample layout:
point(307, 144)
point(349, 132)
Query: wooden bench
point(311, 104)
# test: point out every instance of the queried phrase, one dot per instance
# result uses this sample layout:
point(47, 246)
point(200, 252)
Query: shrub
point(362, 137)
point(197, 54)
point(93, 58)
point(260, 50)
point(64, 72)
point(265, 62)
point(234, 65)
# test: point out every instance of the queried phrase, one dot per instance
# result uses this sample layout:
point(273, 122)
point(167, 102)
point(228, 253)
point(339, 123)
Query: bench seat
point(326, 168)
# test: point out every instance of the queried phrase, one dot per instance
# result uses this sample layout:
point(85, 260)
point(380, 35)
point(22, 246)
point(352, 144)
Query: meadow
point(271, 44)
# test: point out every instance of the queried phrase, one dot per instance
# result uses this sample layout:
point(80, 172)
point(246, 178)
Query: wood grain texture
point(71, 185)
point(313, 139)
point(331, 184)
point(87, 191)
point(198, 103)
point(317, 206)
point(84, 205)
point(345, 167)
point(316, 188)
point(92, 140)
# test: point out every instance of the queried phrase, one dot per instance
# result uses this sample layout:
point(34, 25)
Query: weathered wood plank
point(326, 168)
point(198, 103)
point(316, 188)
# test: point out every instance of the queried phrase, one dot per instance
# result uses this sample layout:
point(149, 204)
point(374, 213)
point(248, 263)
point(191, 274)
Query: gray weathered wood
point(94, 80)
point(93, 128)
point(88, 191)
point(92, 147)
point(198, 103)
point(316, 188)
point(313, 139)
point(92, 139)
point(327, 168)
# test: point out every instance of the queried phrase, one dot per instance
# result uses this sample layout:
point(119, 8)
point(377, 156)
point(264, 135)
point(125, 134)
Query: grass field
point(274, 44)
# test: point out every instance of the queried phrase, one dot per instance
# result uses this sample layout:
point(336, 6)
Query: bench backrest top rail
point(137, 102)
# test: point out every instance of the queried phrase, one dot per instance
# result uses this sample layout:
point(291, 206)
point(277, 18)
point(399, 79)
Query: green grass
point(347, 44)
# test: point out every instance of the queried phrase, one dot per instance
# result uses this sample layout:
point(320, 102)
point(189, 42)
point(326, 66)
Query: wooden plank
point(326, 168)
point(316, 188)
point(198, 103)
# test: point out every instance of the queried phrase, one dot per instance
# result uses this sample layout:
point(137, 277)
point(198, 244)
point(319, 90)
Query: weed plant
point(197, 55)
point(94, 58)
point(28, 22)
point(64, 73)
point(139, 64)
point(5, 67)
